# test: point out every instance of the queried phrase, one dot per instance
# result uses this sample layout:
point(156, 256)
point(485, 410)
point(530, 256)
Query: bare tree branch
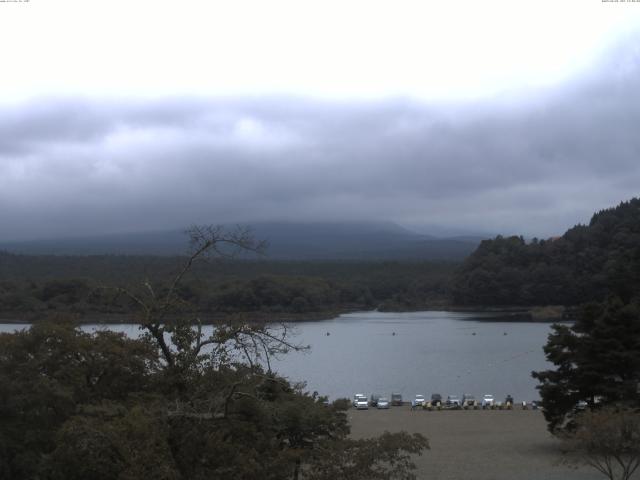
point(181, 342)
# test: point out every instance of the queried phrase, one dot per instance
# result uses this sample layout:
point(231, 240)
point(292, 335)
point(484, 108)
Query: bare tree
point(177, 329)
point(608, 440)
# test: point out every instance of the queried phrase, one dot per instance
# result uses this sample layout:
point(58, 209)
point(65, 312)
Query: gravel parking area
point(476, 444)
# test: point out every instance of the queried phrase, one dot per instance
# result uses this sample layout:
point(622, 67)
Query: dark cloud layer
point(529, 165)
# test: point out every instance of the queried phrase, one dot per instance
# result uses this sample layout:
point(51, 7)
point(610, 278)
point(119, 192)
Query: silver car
point(453, 401)
point(383, 402)
point(488, 401)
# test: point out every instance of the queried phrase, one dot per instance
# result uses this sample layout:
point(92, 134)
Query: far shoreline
point(506, 314)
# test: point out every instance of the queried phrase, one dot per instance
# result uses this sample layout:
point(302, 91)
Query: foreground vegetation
point(174, 404)
point(608, 440)
point(597, 361)
point(101, 406)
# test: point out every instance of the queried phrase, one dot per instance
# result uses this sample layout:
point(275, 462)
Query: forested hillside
point(587, 263)
point(32, 287)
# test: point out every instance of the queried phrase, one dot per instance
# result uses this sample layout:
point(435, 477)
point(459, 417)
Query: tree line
point(49, 284)
point(587, 263)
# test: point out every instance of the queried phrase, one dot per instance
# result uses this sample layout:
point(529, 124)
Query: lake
point(414, 352)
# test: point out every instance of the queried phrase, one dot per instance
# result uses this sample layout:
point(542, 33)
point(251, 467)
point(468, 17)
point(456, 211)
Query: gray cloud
point(534, 165)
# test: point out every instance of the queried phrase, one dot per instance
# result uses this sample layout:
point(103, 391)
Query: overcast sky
point(499, 117)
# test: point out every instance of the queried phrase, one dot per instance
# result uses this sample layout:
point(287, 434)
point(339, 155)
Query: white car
point(488, 401)
point(383, 402)
point(418, 401)
point(360, 401)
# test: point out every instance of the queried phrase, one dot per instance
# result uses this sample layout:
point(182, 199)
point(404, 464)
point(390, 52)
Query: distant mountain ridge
point(286, 241)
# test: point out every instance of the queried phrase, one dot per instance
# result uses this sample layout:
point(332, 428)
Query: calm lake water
point(443, 352)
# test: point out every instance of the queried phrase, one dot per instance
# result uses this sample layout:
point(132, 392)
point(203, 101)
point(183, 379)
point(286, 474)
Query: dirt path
point(476, 444)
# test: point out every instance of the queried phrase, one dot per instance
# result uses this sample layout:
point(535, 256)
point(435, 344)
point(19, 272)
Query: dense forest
point(31, 286)
point(587, 263)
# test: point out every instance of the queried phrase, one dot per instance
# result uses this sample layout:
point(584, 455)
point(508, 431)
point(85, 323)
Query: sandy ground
point(476, 444)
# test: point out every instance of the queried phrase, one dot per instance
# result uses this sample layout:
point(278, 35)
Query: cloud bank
point(535, 166)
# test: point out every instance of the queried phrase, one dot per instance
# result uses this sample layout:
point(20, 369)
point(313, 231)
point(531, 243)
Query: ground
point(476, 444)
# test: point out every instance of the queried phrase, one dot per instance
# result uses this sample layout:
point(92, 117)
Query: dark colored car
point(396, 399)
point(436, 399)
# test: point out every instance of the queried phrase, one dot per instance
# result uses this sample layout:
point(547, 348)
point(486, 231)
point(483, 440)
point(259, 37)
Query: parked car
point(419, 401)
point(396, 399)
point(436, 399)
point(508, 402)
point(453, 401)
point(358, 397)
point(488, 401)
point(383, 402)
point(468, 401)
point(580, 406)
point(373, 401)
point(360, 401)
